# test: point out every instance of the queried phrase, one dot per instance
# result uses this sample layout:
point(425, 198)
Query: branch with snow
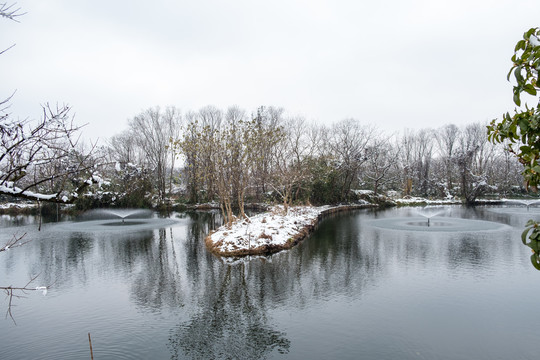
point(42, 161)
point(16, 241)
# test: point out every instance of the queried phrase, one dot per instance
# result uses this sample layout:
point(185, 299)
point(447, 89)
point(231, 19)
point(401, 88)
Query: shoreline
point(272, 231)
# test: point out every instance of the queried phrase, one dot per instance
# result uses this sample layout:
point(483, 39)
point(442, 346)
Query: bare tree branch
point(14, 242)
point(10, 11)
point(43, 161)
point(6, 49)
point(13, 292)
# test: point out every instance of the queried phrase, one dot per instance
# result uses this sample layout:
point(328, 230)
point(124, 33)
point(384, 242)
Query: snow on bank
point(413, 200)
point(271, 231)
point(267, 231)
point(17, 206)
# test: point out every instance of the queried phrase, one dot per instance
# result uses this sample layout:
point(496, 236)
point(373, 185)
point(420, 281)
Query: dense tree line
point(232, 157)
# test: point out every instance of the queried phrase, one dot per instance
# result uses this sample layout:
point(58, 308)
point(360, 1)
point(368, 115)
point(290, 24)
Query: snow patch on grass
point(270, 229)
point(413, 200)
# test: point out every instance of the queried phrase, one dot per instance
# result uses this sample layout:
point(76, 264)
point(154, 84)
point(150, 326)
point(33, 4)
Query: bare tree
point(348, 143)
point(123, 148)
point(221, 160)
point(232, 157)
point(288, 166)
point(406, 161)
point(173, 120)
point(153, 130)
point(28, 150)
point(240, 138)
point(506, 171)
point(423, 156)
point(303, 141)
point(447, 141)
point(210, 119)
point(267, 119)
point(381, 160)
point(189, 145)
point(472, 158)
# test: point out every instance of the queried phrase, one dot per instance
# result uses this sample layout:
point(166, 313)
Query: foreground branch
point(10, 11)
point(19, 292)
point(14, 242)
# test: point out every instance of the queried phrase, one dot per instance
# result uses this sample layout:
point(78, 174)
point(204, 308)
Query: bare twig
point(10, 11)
point(14, 242)
point(13, 292)
point(6, 49)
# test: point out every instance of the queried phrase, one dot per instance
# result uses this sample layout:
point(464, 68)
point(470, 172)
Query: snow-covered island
point(271, 231)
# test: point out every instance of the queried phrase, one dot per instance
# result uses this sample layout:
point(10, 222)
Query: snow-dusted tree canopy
point(42, 160)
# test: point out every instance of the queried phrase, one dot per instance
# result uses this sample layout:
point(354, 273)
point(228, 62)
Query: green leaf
point(535, 245)
point(517, 74)
point(517, 100)
point(524, 235)
point(530, 89)
point(510, 72)
point(535, 259)
point(520, 45)
point(528, 34)
point(523, 125)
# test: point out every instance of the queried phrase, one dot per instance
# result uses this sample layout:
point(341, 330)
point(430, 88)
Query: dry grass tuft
point(265, 236)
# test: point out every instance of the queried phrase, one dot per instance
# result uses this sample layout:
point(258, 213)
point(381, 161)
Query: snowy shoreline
point(271, 231)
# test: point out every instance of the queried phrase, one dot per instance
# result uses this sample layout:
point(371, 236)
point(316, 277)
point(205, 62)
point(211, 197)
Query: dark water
point(357, 289)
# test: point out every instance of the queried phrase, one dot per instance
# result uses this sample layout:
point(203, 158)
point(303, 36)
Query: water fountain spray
point(428, 213)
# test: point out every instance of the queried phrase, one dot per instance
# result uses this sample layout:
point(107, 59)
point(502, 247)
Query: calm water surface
point(359, 288)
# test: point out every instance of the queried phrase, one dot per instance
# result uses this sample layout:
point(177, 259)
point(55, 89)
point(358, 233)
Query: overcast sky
point(394, 63)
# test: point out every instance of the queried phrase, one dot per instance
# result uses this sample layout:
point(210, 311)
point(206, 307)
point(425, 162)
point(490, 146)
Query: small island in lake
point(271, 231)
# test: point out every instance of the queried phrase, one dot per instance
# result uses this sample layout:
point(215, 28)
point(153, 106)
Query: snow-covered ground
point(412, 200)
point(21, 205)
point(270, 230)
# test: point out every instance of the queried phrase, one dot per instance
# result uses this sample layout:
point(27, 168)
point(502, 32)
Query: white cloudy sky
point(394, 63)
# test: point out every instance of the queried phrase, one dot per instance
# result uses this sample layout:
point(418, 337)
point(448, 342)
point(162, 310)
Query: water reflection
point(471, 251)
point(158, 282)
point(159, 293)
point(230, 323)
point(335, 261)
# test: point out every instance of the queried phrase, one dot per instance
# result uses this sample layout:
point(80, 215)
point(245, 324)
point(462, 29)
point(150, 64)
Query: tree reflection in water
point(161, 293)
point(230, 324)
point(158, 282)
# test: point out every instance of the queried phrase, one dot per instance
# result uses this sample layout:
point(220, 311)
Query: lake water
point(366, 285)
